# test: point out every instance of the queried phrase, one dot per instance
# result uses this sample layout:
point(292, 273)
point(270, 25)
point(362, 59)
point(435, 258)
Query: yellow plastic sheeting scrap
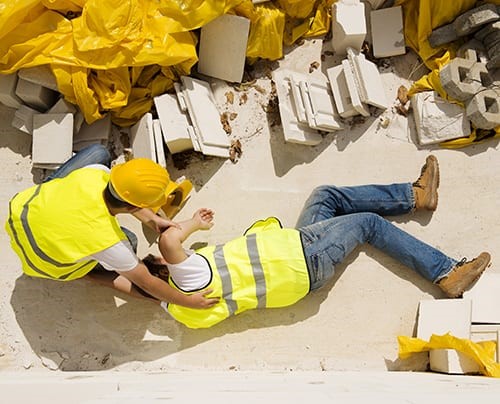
point(481, 352)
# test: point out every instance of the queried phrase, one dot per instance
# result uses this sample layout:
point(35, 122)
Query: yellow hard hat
point(142, 183)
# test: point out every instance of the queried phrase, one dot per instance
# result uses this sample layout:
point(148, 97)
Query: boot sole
point(434, 200)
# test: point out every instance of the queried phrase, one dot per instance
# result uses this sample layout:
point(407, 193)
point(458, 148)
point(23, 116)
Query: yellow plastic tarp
point(481, 352)
point(115, 55)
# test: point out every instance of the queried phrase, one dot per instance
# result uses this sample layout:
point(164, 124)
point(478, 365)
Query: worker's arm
point(154, 221)
point(171, 240)
point(142, 278)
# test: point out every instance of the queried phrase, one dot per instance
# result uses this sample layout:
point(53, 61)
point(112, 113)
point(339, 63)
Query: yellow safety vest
point(264, 268)
point(55, 225)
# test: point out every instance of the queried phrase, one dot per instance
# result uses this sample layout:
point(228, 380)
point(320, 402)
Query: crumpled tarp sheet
point(420, 18)
point(116, 55)
point(482, 352)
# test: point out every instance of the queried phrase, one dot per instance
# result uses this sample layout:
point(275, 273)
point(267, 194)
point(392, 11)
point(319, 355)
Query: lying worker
point(63, 228)
point(274, 267)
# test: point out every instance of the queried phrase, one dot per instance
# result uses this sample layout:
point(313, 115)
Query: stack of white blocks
point(190, 119)
point(56, 126)
point(475, 317)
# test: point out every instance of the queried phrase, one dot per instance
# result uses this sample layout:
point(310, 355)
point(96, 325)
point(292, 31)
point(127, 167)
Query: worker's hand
point(160, 224)
point(204, 218)
point(199, 300)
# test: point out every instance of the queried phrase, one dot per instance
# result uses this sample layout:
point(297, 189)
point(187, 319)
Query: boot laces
point(462, 262)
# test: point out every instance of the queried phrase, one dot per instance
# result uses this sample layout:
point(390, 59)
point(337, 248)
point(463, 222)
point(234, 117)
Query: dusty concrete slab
point(352, 324)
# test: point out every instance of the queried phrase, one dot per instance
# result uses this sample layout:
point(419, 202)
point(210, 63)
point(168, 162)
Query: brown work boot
point(464, 274)
point(425, 188)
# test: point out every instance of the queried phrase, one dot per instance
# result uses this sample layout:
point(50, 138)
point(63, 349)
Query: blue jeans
point(93, 154)
point(335, 220)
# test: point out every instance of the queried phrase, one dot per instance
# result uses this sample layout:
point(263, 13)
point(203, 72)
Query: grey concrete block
point(486, 30)
point(475, 45)
point(8, 97)
point(494, 62)
point(462, 78)
point(494, 49)
point(483, 109)
point(473, 19)
point(36, 96)
point(443, 35)
point(492, 39)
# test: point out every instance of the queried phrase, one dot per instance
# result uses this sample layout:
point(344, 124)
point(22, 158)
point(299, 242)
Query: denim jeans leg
point(93, 154)
point(329, 201)
point(328, 242)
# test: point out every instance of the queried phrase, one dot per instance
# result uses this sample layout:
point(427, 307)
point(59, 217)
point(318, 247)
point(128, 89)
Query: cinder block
point(481, 55)
point(52, 139)
point(36, 96)
point(375, 3)
point(203, 112)
point(348, 25)
point(471, 20)
point(368, 80)
point(293, 130)
point(485, 297)
point(96, 132)
point(442, 35)
point(174, 123)
point(387, 32)
point(483, 109)
point(160, 151)
point(437, 120)
point(453, 362)
point(444, 316)
point(340, 91)
point(492, 39)
point(354, 90)
point(462, 78)
point(41, 75)
point(487, 30)
point(223, 45)
point(142, 138)
point(23, 119)
point(8, 97)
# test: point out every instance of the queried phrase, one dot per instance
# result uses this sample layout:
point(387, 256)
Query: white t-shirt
point(119, 257)
point(192, 274)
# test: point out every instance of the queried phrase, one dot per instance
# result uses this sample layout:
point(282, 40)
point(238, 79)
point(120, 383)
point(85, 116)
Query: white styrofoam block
point(293, 130)
point(203, 112)
point(180, 97)
point(142, 138)
point(348, 25)
point(174, 123)
point(23, 119)
point(485, 296)
point(41, 75)
point(341, 95)
point(160, 151)
point(8, 97)
point(353, 88)
point(444, 316)
point(52, 138)
point(368, 79)
point(320, 107)
point(223, 45)
point(437, 120)
point(452, 362)
point(387, 32)
point(297, 98)
point(36, 96)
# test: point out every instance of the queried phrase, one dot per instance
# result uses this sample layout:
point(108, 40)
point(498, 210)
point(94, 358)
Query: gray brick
point(494, 62)
point(487, 29)
point(473, 19)
point(492, 39)
point(483, 109)
point(494, 50)
point(442, 35)
point(473, 45)
point(462, 78)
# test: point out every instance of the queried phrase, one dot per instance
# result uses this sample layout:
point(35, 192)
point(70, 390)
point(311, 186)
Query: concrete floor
point(350, 325)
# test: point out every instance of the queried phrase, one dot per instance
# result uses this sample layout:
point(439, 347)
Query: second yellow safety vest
point(264, 268)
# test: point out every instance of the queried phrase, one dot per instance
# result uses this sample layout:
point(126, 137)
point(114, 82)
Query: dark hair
point(114, 202)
